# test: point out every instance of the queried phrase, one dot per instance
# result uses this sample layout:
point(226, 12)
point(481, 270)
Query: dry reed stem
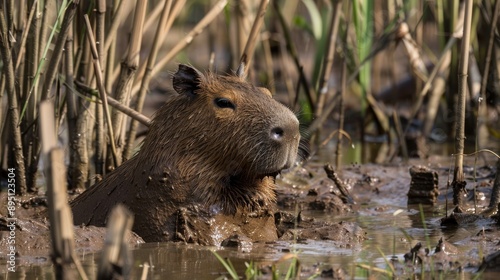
point(159, 37)
point(293, 52)
point(208, 18)
point(247, 54)
point(438, 89)
point(13, 111)
point(343, 188)
point(110, 54)
point(154, 14)
point(458, 174)
point(49, 9)
point(10, 16)
point(60, 217)
point(25, 35)
point(444, 59)
point(343, 90)
point(55, 60)
point(52, 70)
point(30, 84)
point(29, 100)
point(72, 116)
point(241, 11)
point(115, 256)
point(328, 58)
point(487, 63)
point(145, 269)
point(100, 33)
point(412, 51)
point(379, 113)
point(117, 105)
point(133, 54)
point(127, 75)
point(100, 85)
point(175, 10)
point(100, 140)
point(290, 88)
point(82, 152)
point(117, 20)
point(400, 134)
point(268, 57)
point(128, 111)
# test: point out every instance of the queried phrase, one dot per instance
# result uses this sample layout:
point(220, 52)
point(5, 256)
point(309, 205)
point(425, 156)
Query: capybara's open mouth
point(269, 174)
point(272, 174)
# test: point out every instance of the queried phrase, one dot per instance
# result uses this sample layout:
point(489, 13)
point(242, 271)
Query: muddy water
point(381, 210)
point(388, 236)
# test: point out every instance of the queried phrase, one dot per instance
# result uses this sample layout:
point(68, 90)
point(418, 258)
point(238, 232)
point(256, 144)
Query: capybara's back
point(212, 151)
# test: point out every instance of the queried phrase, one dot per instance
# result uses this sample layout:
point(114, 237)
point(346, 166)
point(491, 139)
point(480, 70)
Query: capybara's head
point(223, 138)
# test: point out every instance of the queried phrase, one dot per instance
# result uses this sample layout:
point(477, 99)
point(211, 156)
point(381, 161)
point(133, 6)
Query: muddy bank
point(32, 236)
point(31, 241)
point(382, 195)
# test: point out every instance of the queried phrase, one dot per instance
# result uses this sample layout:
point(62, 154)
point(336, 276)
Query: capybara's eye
point(222, 102)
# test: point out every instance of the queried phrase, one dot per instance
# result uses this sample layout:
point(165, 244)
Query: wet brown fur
point(199, 154)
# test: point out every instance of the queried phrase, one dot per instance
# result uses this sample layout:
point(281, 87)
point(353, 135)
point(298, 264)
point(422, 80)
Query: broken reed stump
point(423, 186)
point(60, 217)
point(345, 195)
point(116, 261)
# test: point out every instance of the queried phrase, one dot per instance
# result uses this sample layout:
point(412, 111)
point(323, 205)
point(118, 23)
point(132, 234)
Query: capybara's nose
point(277, 134)
point(286, 130)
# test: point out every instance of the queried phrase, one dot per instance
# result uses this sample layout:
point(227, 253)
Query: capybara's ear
point(241, 71)
point(186, 80)
point(266, 91)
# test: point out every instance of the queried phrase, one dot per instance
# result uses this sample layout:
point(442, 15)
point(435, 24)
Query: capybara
point(206, 168)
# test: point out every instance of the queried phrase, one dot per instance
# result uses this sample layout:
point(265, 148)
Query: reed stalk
point(440, 67)
point(247, 54)
point(100, 143)
point(338, 148)
point(119, 14)
point(24, 36)
point(241, 11)
point(343, 90)
point(100, 85)
point(57, 53)
point(13, 111)
point(111, 52)
point(487, 62)
point(29, 100)
point(127, 75)
point(72, 112)
point(175, 10)
point(328, 58)
point(459, 183)
point(115, 260)
point(160, 35)
point(311, 98)
point(207, 19)
point(61, 220)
